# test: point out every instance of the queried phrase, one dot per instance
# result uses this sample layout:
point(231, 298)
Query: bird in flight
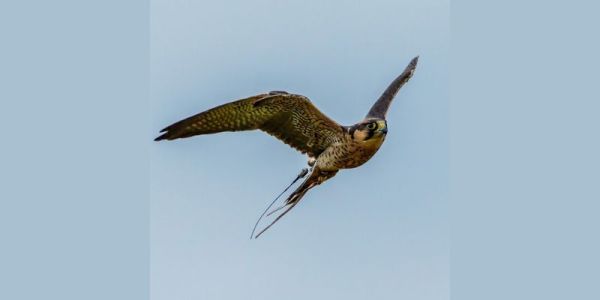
point(294, 120)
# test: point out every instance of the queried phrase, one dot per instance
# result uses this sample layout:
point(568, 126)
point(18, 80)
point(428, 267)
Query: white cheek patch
point(360, 135)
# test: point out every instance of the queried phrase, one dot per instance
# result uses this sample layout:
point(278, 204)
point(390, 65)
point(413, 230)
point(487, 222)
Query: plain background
point(74, 163)
point(76, 122)
point(378, 231)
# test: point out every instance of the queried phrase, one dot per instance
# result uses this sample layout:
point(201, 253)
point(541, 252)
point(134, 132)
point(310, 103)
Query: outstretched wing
point(381, 106)
point(291, 118)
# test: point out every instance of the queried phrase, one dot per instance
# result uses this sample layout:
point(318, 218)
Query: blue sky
point(376, 232)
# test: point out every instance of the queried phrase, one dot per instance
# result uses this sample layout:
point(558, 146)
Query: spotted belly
point(347, 155)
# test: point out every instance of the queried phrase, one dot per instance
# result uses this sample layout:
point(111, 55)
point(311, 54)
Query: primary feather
point(291, 118)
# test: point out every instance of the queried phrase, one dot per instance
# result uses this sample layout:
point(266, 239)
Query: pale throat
point(360, 135)
point(363, 136)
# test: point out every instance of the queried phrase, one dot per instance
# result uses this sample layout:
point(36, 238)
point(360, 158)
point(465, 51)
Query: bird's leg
point(302, 174)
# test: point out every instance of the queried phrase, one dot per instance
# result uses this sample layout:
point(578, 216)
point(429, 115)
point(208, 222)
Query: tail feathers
point(291, 201)
point(300, 175)
point(294, 198)
point(316, 177)
point(288, 208)
point(297, 195)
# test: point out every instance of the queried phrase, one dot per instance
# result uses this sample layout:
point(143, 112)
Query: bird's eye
point(372, 126)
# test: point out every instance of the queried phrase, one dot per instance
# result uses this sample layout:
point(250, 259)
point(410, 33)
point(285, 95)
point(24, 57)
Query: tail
point(316, 177)
point(301, 175)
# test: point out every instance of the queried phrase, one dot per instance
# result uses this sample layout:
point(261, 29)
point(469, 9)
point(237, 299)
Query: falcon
point(296, 121)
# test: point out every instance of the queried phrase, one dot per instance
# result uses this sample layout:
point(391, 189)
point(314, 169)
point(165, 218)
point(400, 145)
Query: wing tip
point(381, 106)
point(166, 135)
point(160, 138)
point(412, 65)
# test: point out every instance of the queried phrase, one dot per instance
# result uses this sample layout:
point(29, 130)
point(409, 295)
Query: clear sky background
point(376, 232)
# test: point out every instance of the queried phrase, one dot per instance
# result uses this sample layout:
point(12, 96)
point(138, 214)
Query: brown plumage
point(291, 118)
point(294, 120)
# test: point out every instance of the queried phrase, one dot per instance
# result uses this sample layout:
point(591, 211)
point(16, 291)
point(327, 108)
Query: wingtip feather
point(164, 136)
point(413, 63)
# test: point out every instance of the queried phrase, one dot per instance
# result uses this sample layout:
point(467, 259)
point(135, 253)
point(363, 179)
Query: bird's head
point(369, 130)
